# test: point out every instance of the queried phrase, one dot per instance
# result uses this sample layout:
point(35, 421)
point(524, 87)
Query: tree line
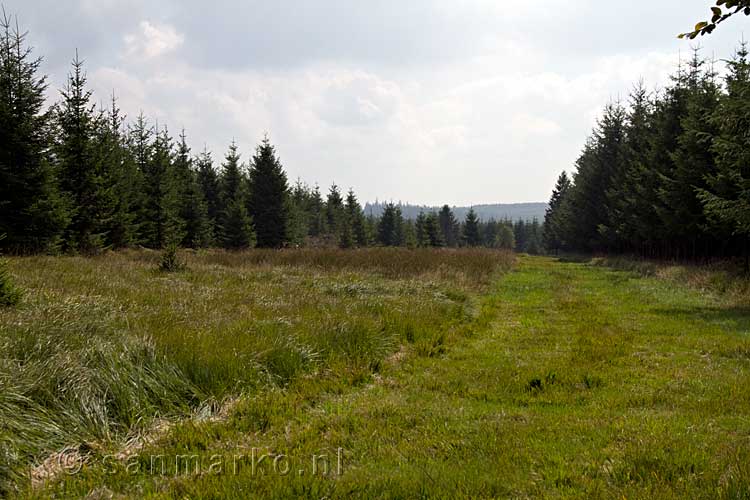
point(668, 175)
point(75, 177)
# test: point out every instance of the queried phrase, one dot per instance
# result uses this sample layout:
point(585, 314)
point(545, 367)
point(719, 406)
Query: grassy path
point(583, 382)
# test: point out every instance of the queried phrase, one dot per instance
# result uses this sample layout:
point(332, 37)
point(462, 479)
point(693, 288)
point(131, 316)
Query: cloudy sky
point(425, 101)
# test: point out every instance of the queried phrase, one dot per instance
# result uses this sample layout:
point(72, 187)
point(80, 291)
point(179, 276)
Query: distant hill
point(499, 211)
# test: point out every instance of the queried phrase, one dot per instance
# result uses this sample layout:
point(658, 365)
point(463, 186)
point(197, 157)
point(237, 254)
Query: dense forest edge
point(78, 178)
point(665, 176)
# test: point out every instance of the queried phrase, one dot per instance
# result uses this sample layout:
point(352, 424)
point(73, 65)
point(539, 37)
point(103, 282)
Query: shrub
point(170, 260)
point(9, 293)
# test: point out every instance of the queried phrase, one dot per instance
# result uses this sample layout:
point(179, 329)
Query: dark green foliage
point(449, 226)
point(192, 208)
point(556, 218)
point(334, 210)
point(10, 295)
point(32, 213)
point(79, 170)
point(235, 224)
point(121, 181)
point(170, 260)
point(427, 231)
point(354, 219)
point(727, 197)
point(390, 228)
point(664, 179)
point(471, 235)
point(208, 181)
point(267, 200)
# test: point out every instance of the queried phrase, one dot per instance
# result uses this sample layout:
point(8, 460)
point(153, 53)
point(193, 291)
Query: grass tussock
point(724, 278)
point(104, 345)
point(10, 295)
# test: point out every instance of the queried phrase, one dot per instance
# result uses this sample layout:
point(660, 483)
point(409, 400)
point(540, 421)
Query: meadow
point(104, 350)
point(455, 374)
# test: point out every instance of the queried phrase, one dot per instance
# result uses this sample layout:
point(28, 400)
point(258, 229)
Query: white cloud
point(152, 40)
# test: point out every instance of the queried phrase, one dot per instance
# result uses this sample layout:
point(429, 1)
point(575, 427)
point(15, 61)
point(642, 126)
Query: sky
point(420, 101)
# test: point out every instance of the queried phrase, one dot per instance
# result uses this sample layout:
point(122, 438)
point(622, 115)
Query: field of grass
point(104, 350)
point(553, 380)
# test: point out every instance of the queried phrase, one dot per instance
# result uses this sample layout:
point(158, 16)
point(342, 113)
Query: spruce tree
point(79, 171)
point(449, 226)
point(192, 209)
point(235, 224)
point(555, 218)
point(268, 193)
point(334, 210)
point(121, 181)
point(298, 226)
point(162, 225)
point(420, 230)
point(316, 210)
point(727, 197)
point(390, 227)
point(140, 147)
point(471, 235)
point(356, 220)
point(208, 181)
point(32, 212)
point(693, 161)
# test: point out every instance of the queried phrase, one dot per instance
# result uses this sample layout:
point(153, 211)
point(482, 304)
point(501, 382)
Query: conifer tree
point(268, 193)
point(316, 211)
point(121, 180)
point(727, 197)
point(334, 209)
point(140, 150)
point(192, 209)
point(235, 224)
point(32, 212)
point(208, 181)
point(298, 226)
point(693, 161)
point(555, 226)
point(161, 215)
point(471, 234)
point(356, 220)
point(75, 151)
point(449, 226)
point(390, 228)
point(420, 230)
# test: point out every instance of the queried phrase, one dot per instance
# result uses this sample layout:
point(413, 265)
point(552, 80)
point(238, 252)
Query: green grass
point(567, 380)
point(102, 349)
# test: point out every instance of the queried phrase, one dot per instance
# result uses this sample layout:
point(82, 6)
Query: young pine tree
point(235, 225)
point(268, 193)
point(32, 212)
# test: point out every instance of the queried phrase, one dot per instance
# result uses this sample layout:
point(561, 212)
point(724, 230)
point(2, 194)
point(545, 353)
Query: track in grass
point(578, 381)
